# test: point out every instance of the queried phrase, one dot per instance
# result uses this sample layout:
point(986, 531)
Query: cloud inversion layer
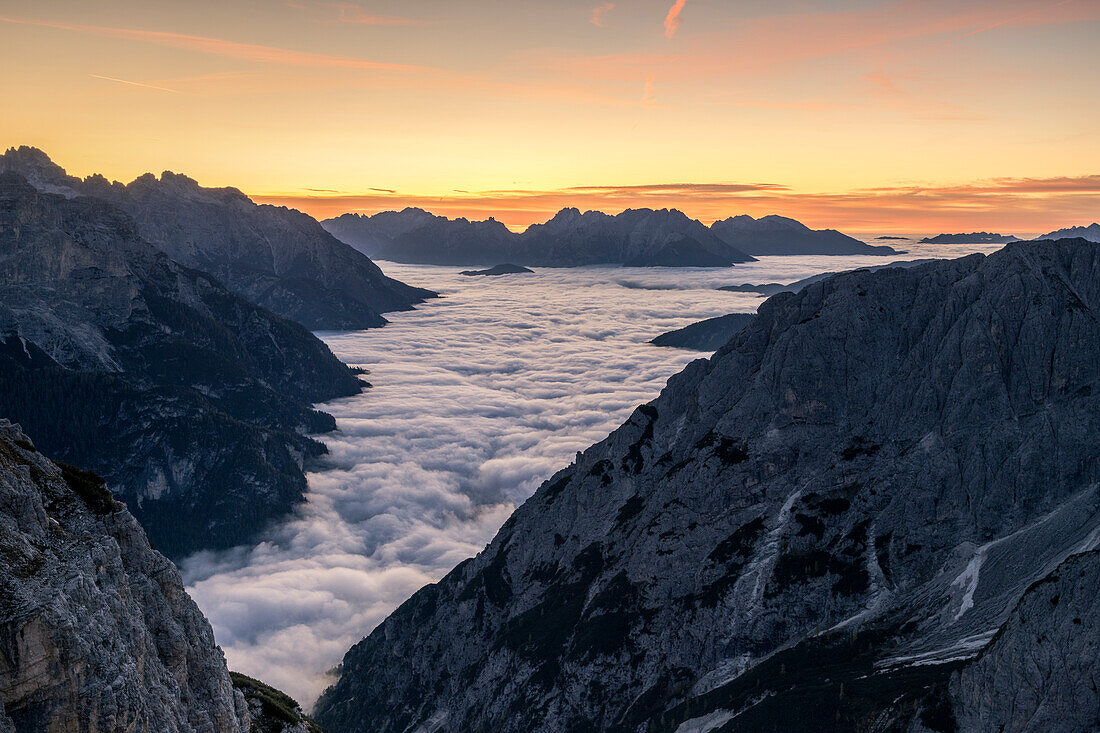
point(478, 398)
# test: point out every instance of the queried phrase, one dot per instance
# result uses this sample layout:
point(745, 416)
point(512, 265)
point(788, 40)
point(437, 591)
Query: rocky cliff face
point(778, 235)
point(273, 256)
point(812, 530)
point(96, 631)
point(1040, 672)
point(190, 400)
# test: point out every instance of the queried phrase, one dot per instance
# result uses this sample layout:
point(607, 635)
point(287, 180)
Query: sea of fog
point(478, 397)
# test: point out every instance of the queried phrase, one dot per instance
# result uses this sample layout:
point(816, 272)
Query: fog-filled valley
point(477, 398)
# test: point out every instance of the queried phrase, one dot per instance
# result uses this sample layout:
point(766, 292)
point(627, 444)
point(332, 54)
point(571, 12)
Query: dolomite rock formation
point(828, 525)
point(96, 630)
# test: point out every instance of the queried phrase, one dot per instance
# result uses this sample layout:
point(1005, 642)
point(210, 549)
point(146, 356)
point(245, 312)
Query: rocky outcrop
point(273, 256)
point(778, 235)
point(1091, 233)
point(270, 710)
point(191, 401)
point(635, 238)
point(812, 530)
point(96, 631)
point(1039, 673)
point(971, 238)
point(706, 335)
point(498, 270)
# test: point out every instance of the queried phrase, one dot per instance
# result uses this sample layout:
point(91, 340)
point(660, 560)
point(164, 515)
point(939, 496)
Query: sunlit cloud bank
point(479, 397)
point(1021, 205)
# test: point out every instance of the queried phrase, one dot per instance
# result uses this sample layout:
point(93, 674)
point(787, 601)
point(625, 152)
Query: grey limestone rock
point(276, 257)
point(812, 530)
point(96, 631)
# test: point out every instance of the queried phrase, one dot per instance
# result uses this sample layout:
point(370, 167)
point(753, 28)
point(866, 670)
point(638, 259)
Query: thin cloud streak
point(1008, 21)
point(673, 20)
point(134, 83)
point(222, 47)
point(1018, 204)
point(764, 46)
point(599, 14)
point(346, 13)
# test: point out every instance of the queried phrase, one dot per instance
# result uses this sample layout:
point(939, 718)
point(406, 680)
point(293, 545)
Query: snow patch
point(968, 579)
point(706, 723)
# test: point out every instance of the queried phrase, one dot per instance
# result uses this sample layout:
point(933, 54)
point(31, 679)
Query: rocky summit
point(192, 402)
point(273, 256)
point(862, 513)
point(634, 238)
point(705, 335)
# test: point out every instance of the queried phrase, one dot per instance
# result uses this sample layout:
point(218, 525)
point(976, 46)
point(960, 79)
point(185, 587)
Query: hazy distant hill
point(971, 238)
point(778, 235)
point(276, 257)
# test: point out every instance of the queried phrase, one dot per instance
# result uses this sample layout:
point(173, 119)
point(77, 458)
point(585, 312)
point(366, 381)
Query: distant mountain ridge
point(633, 238)
point(276, 257)
point(779, 235)
point(192, 402)
point(1091, 233)
point(971, 238)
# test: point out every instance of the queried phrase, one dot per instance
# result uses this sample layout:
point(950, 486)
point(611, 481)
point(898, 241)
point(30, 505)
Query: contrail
point(134, 83)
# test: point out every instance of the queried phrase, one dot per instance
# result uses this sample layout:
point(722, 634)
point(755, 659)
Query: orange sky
point(864, 115)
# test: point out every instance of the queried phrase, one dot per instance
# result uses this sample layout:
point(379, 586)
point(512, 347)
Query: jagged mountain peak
point(276, 257)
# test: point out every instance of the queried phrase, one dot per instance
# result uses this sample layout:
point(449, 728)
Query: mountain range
point(633, 238)
point(877, 507)
point(192, 402)
point(273, 256)
point(1091, 233)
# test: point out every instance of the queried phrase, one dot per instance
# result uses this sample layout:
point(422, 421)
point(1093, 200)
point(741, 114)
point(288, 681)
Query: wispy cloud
point(672, 20)
point(344, 13)
point(133, 83)
point(222, 47)
point(600, 12)
point(1009, 21)
point(649, 95)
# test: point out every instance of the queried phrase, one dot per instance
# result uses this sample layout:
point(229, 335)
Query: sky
point(864, 115)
